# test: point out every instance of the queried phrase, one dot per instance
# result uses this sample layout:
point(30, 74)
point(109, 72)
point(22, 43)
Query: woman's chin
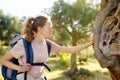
point(48, 36)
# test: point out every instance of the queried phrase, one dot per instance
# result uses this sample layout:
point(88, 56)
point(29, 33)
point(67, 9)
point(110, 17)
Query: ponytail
point(28, 30)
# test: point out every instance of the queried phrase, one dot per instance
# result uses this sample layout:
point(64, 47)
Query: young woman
point(35, 32)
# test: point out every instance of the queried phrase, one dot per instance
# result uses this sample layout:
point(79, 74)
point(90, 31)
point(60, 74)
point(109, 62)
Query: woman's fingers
point(25, 67)
point(92, 39)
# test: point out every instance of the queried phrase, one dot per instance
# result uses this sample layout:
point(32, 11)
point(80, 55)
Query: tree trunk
point(107, 37)
point(72, 72)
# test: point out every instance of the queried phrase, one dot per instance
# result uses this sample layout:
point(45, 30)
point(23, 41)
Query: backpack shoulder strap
point(28, 51)
point(48, 46)
point(29, 54)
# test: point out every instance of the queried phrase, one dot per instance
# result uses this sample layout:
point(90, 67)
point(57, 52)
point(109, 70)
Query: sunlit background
point(22, 8)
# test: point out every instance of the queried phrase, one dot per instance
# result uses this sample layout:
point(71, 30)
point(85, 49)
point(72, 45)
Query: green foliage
point(64, 59)
point(8, 27)
point(3, 49)
point(74, 20)
point(106, 73)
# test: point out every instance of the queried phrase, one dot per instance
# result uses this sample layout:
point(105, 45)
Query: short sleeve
point(18, 50)
point(54, 48)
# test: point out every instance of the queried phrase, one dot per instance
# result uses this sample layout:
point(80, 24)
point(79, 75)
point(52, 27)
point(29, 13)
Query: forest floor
point(91, 71)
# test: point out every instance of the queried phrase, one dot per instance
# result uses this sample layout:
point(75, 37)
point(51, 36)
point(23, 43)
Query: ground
point(93, 71)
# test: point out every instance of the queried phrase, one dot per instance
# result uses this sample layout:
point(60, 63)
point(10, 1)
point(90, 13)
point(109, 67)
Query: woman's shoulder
point(53, 43)
point(50, 41)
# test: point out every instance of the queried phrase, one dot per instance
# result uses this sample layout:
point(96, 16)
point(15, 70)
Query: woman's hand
point(92, 39)
point(24, 68)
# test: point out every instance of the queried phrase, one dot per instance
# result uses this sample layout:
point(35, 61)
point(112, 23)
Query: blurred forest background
point(72, 24)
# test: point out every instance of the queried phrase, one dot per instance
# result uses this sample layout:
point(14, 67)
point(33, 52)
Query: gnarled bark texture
point(107, 37)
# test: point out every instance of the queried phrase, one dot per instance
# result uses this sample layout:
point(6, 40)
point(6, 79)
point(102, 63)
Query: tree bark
point(107, 37)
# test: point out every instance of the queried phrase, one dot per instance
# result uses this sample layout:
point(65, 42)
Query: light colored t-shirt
point(40, 55)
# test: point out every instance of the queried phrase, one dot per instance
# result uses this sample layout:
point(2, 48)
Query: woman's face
point(47, 30)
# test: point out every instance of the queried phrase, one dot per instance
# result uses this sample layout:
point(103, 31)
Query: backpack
point(9, 74)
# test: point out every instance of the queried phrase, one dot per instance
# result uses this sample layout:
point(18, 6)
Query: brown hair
point(31, 26)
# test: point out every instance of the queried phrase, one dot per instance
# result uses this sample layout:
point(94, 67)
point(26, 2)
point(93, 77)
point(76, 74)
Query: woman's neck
point(39, 39)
